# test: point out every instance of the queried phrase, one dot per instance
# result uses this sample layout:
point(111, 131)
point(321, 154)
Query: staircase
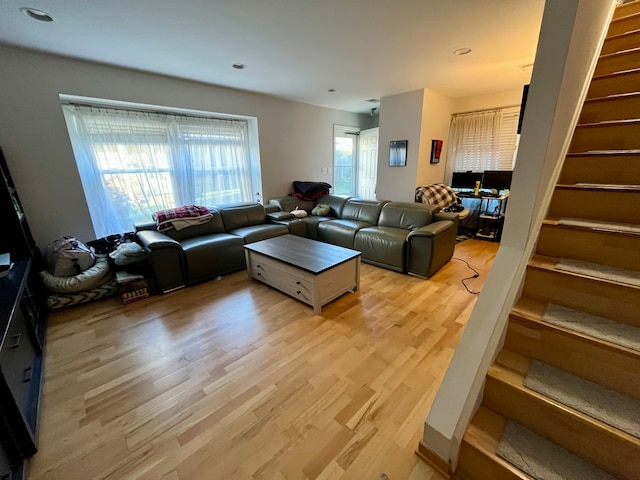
point(562, 399)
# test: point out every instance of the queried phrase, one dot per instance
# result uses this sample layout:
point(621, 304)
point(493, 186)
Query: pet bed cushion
point(86, 280)
point(56, 301)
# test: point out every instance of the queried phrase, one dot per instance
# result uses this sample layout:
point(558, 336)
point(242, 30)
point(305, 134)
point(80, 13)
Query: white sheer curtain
point(474, 142)
point(134, 163)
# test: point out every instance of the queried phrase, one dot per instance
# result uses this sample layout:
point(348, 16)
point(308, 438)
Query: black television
point(496, 179)
point(465, 179)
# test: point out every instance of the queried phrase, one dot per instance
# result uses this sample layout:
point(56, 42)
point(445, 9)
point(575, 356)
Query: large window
point(483, 140)
point(133, 163)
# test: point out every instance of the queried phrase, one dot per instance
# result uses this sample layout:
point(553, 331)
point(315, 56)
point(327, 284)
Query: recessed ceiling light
point(374, 100)
point(526, 67)
point(332, 90)
point(239, 66)
point(37, 14)
point(462, 51)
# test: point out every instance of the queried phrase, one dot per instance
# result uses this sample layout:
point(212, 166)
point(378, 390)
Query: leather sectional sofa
point(405, 237)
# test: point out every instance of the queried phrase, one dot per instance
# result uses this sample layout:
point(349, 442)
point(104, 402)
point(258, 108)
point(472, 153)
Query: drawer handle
point(26, 375)
point(298, 292)
point(260, 267)
point(16, 340)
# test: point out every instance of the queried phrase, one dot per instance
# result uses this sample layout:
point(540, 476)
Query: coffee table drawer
point(290, 280)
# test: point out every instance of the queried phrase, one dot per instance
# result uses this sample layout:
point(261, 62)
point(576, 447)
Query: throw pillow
point(320, 210)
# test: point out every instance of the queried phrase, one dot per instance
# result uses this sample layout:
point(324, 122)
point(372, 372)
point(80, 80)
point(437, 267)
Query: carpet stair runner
point(562, 399)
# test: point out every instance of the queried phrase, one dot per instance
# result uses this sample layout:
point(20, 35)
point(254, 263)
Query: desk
point(486, 221)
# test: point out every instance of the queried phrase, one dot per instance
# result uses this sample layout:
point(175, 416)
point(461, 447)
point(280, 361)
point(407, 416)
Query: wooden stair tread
point(622, 34)
point(483, 437)
point(608, 229)
point(601, 76)
point(543, 262)
point(530, 312)
point(621, 153)
point(599, 187)
point(626, 10)
point(615, 96)
point(609, 123)
point(587, 224)
point(620, 53)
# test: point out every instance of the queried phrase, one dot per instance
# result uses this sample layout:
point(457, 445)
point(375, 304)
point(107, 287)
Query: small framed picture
point(436, 149)
point(398, 153)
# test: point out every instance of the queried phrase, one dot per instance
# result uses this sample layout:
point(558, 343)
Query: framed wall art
point(436, 149)
point(398, 153)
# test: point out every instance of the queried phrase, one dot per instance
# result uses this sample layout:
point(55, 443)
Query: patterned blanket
point(437, 194)
point(181, 217)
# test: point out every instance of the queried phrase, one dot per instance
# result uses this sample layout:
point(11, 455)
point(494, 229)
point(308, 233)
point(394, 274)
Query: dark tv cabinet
point(22, 335)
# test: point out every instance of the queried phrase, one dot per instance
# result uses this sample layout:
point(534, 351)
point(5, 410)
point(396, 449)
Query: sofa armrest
point(166, 259)
point(153, 240)
point(451, 216)
point(279, 216)
point(430, 247)
point(432, 230)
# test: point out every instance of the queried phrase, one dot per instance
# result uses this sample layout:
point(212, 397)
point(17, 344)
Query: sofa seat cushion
point(208, 256)
point(312, 223)
point(383, 246)
point(255, 233)
point(340, 232)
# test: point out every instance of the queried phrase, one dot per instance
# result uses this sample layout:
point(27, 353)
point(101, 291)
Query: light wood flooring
point(231, 379)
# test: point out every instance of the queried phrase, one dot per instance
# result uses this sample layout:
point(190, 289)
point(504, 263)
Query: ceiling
point(297, 49)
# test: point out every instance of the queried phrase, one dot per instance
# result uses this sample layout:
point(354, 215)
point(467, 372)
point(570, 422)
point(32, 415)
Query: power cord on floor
point(476, 274)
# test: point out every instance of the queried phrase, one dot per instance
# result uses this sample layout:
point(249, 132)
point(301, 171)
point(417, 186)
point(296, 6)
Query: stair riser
point(624, 42)
point(581, 437)
point(604, 248)
point(617, 136)
point(475, 464)
point(607, 300)
point(614, 206)
point(614, 84)
point(625, 10)
point(624, 108)
point(603, 169)
point(623, 25)
point(618, 62)
point(575, 354)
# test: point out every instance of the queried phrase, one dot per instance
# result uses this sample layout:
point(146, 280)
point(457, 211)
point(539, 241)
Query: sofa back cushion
point(407, 215)
point(242, 215)
point(214, 225)
point(362, 210)
point(288, 204)
point(334, 202)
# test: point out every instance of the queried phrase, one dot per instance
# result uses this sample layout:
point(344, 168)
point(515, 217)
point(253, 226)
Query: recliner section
point(202, 252)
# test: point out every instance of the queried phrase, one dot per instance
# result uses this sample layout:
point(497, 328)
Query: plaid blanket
point(437, 194)
point(181, 217)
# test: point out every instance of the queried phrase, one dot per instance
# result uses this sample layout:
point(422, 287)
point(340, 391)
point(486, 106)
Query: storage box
point(131, 287)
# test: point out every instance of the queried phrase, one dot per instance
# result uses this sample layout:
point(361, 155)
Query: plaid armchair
point(436, 194)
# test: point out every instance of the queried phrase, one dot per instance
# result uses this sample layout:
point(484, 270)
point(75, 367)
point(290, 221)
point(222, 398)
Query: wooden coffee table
point(313, 272)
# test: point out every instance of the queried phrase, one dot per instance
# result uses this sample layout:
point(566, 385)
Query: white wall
point(481, 102)
point(436, 118)
point(418, 116)
point(296, 140)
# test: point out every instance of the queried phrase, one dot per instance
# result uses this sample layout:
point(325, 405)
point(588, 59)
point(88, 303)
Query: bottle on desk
point(476, 191)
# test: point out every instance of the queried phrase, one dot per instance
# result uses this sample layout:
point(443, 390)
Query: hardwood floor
point(231, 379)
